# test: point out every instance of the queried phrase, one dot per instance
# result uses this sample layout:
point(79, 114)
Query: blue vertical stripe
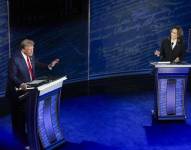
point(4, 45)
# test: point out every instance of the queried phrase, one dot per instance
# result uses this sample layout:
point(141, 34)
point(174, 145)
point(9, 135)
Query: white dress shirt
point(173, 43)
point(25, 57)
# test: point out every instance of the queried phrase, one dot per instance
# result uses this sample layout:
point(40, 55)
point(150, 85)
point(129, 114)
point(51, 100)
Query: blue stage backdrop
point(4, 45)
point(125, 33)
point(123, 36)
point(66, 41)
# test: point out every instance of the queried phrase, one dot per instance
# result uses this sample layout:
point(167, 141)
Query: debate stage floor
point(112, 121)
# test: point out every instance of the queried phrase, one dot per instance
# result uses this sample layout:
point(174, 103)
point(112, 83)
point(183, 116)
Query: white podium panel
point(43, 122)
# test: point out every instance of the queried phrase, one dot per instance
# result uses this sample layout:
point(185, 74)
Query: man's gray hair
point(26, 42)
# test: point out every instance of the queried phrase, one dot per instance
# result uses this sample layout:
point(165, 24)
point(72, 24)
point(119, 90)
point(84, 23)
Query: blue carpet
point(114, 122)
point(121, 122)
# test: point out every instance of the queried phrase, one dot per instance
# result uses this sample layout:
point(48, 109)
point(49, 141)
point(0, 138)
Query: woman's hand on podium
point(157, 53)
point(177, 60)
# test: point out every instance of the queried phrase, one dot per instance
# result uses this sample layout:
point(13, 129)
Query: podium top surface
point(48, 87)
point(167, 64)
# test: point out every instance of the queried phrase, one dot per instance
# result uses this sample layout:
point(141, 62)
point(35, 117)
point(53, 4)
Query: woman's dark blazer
point(166, 52)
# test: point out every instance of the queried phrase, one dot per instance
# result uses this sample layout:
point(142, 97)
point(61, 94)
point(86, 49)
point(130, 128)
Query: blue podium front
point(170, 85)
point(43, 126)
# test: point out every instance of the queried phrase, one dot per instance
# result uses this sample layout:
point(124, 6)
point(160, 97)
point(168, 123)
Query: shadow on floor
point(168, 133)
point(86, 145)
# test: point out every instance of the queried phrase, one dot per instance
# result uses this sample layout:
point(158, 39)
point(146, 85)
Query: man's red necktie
point(30, 69)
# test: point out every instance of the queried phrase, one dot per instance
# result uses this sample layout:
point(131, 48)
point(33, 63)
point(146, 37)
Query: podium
point(43, 125)
point(170, 88)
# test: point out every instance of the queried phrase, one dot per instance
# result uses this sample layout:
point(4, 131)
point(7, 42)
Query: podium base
point(155, 116)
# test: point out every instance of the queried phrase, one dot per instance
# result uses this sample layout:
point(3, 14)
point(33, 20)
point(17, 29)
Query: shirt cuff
point(49, 67)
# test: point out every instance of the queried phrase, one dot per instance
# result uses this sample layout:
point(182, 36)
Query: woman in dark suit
point(172, 48)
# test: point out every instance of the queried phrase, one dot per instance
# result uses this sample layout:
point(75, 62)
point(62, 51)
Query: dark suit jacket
point(18, 73)
point(166, 52)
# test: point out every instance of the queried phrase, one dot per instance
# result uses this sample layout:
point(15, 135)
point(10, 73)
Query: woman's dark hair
point(179, 33)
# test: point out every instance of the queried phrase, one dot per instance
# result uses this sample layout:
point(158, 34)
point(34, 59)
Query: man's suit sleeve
point(13, 73)
point(41, 65)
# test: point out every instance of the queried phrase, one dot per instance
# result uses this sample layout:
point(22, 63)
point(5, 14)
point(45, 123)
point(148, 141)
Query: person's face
point(28, 50)
point(174, 34)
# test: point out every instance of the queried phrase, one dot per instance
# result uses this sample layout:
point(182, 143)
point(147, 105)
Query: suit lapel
point(24, 66)
point(32, 59)
point(170, 46)
point(175, 46)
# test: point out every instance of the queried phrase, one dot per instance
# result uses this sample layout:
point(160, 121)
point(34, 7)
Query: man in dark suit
point(20, 71)
point(172, 48)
